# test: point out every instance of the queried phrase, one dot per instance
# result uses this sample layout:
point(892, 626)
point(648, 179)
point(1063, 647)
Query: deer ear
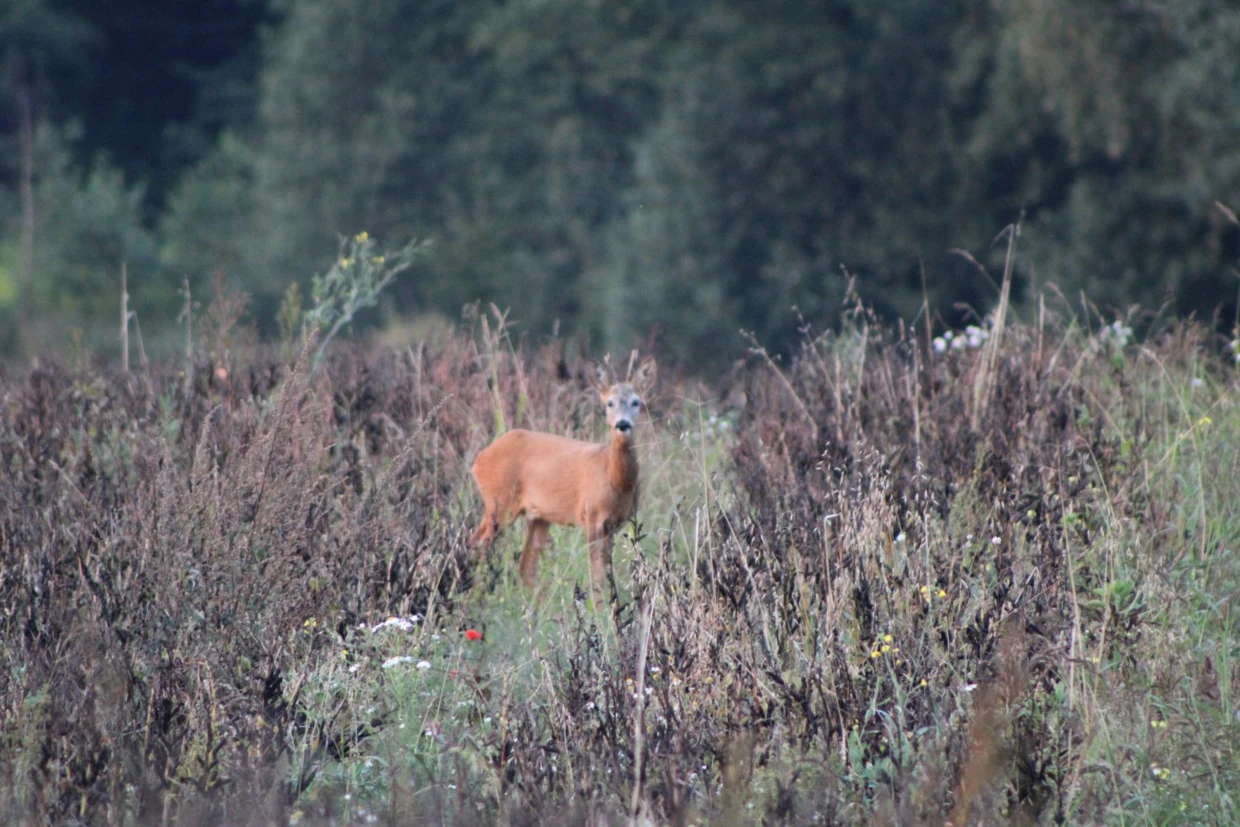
point(644, 376)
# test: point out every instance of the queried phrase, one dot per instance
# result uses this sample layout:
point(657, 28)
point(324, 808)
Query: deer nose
point(623, 426)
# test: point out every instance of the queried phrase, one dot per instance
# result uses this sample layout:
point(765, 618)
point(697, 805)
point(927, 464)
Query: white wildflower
point(404, 624)
point(1116, 334)
point(397, 661)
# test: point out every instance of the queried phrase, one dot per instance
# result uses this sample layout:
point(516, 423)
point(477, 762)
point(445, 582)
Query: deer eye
point(611, 403)
point(636, 403)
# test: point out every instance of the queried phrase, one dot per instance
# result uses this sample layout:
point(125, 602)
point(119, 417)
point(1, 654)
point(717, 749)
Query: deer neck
point(622, 464)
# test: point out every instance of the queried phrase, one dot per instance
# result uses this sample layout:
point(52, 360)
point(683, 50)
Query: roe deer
point(553, 479)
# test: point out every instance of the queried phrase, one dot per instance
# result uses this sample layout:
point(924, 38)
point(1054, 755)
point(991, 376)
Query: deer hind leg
point(487, 529)
point(536, 534)
point(496, 516)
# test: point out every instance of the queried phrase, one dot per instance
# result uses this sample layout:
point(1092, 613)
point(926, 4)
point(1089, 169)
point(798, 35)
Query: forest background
point(625, 171)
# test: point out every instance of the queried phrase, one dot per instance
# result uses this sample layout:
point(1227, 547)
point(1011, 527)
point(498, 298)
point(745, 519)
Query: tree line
point(638, 170)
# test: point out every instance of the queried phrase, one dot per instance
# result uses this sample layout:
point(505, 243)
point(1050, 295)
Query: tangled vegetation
point(891, 581)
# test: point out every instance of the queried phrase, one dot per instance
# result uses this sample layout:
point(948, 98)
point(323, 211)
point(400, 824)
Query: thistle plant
point(356, 278)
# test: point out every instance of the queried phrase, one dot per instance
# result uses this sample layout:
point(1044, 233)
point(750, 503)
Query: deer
point(551, 479)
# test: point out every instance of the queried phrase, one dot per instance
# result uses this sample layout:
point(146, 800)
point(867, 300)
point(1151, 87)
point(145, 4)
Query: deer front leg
point(536, 534)
point(600, 562)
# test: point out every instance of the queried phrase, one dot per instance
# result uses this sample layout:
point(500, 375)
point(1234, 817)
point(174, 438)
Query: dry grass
point(875, 594)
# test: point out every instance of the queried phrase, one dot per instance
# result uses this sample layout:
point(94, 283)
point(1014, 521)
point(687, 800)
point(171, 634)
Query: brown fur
point(553, 479)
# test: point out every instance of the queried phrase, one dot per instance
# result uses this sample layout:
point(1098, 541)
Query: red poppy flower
point(473, 634)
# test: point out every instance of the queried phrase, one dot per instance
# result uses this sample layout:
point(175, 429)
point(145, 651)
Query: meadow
point(895, 578)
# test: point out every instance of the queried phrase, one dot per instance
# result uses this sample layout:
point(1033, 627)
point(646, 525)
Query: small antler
point(605, 375)
point(640, 374)
point(632, 362)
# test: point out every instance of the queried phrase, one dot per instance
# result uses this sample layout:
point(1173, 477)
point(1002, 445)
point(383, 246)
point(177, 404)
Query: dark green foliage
point(656, 170)
point(1123, 177)
point(207, 223)
point(756, 187)
point(360, 111)
point(89, 223)
point(161, 81)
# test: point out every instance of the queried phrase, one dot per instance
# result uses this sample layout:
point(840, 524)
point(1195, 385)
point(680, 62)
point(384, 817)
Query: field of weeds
point(893, 580)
